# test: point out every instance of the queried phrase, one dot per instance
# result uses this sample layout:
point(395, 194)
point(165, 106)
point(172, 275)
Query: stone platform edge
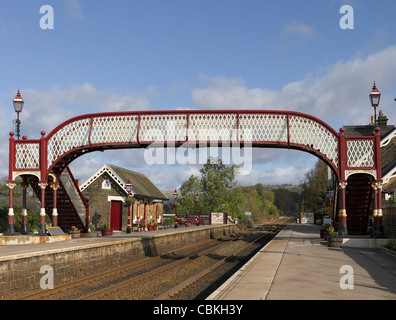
point(32, 239)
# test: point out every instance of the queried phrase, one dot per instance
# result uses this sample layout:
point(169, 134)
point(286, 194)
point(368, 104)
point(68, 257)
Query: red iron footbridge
point(43, 163)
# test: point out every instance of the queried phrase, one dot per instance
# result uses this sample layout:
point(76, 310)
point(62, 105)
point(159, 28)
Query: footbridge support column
point(42, 232)
point(10, 228)
point(378, 229)
point(342, 215)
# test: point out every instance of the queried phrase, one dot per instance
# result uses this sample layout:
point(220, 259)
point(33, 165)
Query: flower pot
point(107, 232)
point(155, 228)
point(75, 234)
point(150, 228)
point(335, 242)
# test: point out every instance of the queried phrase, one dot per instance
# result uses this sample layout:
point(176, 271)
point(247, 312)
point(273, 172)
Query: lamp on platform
point(128, 187)
point(18, 106)
point(197, 199)
point(375, 97)
point(175, 197)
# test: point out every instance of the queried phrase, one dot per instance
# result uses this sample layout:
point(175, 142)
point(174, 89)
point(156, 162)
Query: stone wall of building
point(100, 206)
point(389, 219)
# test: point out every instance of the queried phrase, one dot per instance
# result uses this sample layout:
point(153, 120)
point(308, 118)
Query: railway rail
point(189, 273)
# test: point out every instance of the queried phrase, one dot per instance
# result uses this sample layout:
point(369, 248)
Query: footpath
point(297, 264)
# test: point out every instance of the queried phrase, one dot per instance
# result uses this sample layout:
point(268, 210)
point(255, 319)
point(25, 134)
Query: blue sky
point(218, 54)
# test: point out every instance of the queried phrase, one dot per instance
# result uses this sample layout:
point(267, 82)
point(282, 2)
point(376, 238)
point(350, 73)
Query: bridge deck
point(298, 265)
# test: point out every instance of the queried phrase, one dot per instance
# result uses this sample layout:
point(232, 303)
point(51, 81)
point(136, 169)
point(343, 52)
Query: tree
point(217, 182)
point(188, 191)
point(215, 187)
point(315, 187)
point(287, 201)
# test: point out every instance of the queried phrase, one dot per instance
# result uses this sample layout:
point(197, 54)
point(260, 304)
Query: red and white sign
point(217, 218)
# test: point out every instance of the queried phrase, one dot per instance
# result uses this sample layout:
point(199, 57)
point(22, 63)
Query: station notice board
point(53, 231)
point(217, 218)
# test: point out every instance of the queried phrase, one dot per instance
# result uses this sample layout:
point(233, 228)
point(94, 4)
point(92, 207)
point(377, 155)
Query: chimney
point(382, 120)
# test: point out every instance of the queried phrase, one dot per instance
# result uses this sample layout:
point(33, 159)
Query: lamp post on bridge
point(375, 96)
point(18, 106)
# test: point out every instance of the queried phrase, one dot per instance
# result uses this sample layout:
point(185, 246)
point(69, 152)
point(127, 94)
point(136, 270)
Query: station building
point(107, 195)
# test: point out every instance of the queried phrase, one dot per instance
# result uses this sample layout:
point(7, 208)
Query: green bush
point(391, 244)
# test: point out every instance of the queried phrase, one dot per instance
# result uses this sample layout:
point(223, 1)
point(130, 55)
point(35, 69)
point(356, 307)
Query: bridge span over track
point(43, 163)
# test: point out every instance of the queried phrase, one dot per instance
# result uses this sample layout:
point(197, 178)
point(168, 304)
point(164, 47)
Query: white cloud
point(341, 94)
point(288, 175)
point(74, 10)
point(298, 28)
point(44, 110)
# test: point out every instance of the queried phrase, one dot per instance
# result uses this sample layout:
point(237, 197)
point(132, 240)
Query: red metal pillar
point(42, 232)
point(25, 185)
point(342, 215)
point(10, 229)
point(379, 226)
point(343, 157)
point(11, 184)
point(55, 187)
point(375, 209)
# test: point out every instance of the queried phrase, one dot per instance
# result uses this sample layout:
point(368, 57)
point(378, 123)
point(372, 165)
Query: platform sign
point(53, 231)
point(217, 218)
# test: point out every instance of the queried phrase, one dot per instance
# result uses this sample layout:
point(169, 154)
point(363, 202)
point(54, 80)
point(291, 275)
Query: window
point(106, 185)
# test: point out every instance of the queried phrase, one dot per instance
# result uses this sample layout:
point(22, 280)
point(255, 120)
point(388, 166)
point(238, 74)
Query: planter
point(107, 232)
point(335, 242)
point(75, 234)
point(155, 228)
point(150, 228)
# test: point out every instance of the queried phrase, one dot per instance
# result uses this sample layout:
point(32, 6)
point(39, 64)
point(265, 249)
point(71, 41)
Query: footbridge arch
point(50, 155)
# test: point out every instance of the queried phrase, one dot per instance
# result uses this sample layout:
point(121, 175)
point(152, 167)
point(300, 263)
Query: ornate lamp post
point(175, 196)
point(128, 188)
point(18, 106)
point(375, 96)
point(197, 200)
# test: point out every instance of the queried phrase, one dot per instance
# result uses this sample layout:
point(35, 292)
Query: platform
point(20, 250)
point(21, 265)
point(297, 264)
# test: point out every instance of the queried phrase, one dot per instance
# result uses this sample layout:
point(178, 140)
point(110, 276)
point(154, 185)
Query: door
point(116, 215)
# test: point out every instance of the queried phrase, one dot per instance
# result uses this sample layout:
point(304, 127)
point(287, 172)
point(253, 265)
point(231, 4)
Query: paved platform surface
point(18, 251)
point(297, 264)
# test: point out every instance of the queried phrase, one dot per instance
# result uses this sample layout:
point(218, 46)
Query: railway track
point(177, 275)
